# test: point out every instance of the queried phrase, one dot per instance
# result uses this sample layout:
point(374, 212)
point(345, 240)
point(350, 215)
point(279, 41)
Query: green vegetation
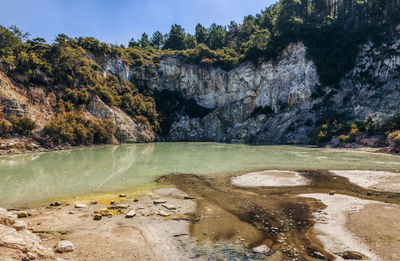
point(16, 125)
point(347, 132)
point(75, 129)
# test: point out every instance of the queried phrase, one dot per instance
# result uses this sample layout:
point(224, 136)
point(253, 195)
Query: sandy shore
point(270, 178)
point(363, 226)
point(155, 233)
point(376, 180)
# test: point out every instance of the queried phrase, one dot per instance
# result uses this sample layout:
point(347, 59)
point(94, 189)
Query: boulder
point(64, 246)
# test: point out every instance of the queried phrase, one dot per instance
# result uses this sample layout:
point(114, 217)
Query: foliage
point(75, 129)
point(394, 141)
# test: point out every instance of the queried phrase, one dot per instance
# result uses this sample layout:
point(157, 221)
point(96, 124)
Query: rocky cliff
point(275, 102)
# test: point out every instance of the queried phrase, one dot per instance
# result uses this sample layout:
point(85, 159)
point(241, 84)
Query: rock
point(369, 194)
point(8, 219)
point(188, 197)
point(130, 214)
point(350, 255)
point(112, 202)
point(163, 213)
point(21, 214)
point(31, 256)
point(64, 246)
point(71, 212)
point(19, 225)
point(159, 201)
point(169, 207)
point(55, 204)
point(332, 193)
point(80, 206)
point(97, 217)
point(263, 249)
point(318, 255)
point(23, 241)
point(122, 195)
point(135, 200)
point(119, 206)
point(93, 203)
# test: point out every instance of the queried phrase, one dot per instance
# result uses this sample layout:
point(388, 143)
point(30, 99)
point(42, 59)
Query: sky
point(117, 21)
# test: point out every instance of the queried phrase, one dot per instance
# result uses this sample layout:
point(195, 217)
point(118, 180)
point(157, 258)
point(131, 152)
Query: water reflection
point(30, 178)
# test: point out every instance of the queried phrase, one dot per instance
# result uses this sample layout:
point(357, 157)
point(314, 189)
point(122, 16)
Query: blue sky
point(117, 21)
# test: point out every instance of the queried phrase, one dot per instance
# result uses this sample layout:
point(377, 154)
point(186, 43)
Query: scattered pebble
point(130, 214)
point(318, 255)
point(93, 203)
point(332, 193)
point(169, 207)
point(22, 214)
point(159, 201)
point(80, 206)
point(122, 195)
point(163, 213)
point(263, 249)
point(97, 217)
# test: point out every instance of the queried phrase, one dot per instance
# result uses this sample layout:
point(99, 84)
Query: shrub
point(22, 125)
point(73, 128)
point(394, 141)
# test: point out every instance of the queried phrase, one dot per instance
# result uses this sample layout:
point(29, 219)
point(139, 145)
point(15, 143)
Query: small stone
point(163, 213)
point(31, 256)
point(97, 217)
point(263, 249)
point(64, 246)
point(159, 201)
point(350, 255)
point(187, 197)
point(19, 225)
point(318, 255)
point(71, 212)
point(21, 214)
point(122, 195)
point(135, 200)
point(80, 206)
point(332, 193)
point(169, 207)
point(130, 214)
point(58, 203)
point(93, 203)
point(119, 206)
point(112, 202)
point(369, 194)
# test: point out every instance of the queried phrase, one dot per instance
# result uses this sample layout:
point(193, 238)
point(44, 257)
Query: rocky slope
point(276, 102)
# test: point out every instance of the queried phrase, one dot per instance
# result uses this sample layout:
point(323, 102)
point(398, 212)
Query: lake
point(37, 178)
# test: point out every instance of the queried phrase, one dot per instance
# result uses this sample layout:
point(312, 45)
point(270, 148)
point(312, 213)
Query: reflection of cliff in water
point(38, 177)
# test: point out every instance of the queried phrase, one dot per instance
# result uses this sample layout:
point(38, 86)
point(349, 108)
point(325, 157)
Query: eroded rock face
point(272, 102)
point(127, 129)
point(18, 243)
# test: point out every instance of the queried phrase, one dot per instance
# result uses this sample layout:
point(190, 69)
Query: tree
point(176, 38)
point(157, 40)
point(201, 34)
point(190, 41)
point(133, 43)
point(217, 36)
point(144, 41)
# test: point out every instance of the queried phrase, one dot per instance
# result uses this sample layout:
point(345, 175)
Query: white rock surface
point(64, 246)
point(270, 178)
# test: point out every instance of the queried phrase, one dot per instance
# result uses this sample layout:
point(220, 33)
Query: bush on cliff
point(75, 129)
point(394, 141)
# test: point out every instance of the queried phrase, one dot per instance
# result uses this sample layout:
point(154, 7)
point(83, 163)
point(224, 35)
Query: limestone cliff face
point(275, 102)
point(250, 103)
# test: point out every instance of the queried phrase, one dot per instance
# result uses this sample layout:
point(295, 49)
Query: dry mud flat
point(156, 231)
